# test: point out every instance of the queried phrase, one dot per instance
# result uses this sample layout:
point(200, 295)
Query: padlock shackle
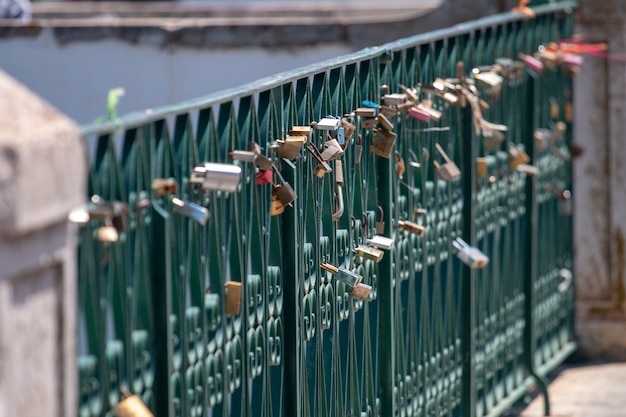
point(442, 152)
point(337, 215)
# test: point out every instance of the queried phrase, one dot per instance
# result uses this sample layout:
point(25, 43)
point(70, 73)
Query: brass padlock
point(131, 406)
point(380, 223)
point(492, 139)
point(262, 161)
point(322, 167)
point(517, 157)
point(369, 122)
point(381, 242)
point(332, 150)
point(164, 186)
point(216, 177)
point(383, 143)
point(276, 206)
point(283, 191)
point(370, 253)
point(366, 112)
point(300, 131)
point(489, 79)
point(290, 147)
point(481, 166)
point(400, 167)
point(108, 234)
point(411, 227)
point(361, 291)
point(447, 171)
point(233, 297)
point(410, 93)
point(385, 123)
point(348, 128)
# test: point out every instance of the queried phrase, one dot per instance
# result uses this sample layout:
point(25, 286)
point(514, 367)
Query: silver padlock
point(332, 150)
point(394, 99)
point(217, 177)
point(447, 171)
point(346, 276)
point(470, 255)
point(328, 123)
point(190, 209)
point(381, 242)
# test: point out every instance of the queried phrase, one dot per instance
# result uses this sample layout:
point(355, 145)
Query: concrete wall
point(600, 185)
point(42, 172)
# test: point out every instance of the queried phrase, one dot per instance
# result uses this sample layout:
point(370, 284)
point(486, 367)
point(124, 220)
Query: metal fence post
point(468, 285)
point(531, 249)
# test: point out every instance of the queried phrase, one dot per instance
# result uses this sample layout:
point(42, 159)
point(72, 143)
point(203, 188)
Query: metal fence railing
point(199, 297)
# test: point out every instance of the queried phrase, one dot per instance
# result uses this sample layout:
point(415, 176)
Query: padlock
point(131, 406)
point(276, 206)
point(426, 105)
point(190, 209)
point(290, 147)
point(361, 291)
point(263, 177)
point(370, 105)
point(346, 276)
point(517, 157)
point(383, 143)
point(552, 57)
point(492, 139)
point(557, 132)
point(404, 108)
point(410, 93)
point(481, 166)
point(381, 242)
point(380, 222)
point(394, 99)
point(358, 149)
point(244, 156)
point(283, 191)
point(370, 253)
point(470, 255)
point(411, 227)
point(108, 234)
point(417, 113)
point(369, 122)
point(384, 89)
point(541, 137)
point(322, 167)
point(489, 79)
point(366, 112)
point(164, 186)
point(262, 161)
point(447, 171)
point(216, 177)
point(528, 169)
point(332, 150)
point(348, 129)
point(388, 111)
point(328, 123)
point(531, 62)
point(554, 108)
point(300, 131)
point(400, 167)
point(385, 123)
point(232, 291)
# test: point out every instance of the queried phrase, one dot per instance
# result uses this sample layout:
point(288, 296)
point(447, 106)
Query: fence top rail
point(143, 117)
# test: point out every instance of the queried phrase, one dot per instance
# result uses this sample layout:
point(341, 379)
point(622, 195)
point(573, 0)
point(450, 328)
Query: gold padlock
point(416, 229)
point(276, 207)
point(481, 166)
point(132, 406)
point(233, 297)
point(367, 252)
point(517, 157)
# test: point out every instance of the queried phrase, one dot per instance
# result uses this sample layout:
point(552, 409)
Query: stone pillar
point(600, 185)
point(42, 177)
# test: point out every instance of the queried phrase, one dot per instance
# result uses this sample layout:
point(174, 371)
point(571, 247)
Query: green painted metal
point(434, 337)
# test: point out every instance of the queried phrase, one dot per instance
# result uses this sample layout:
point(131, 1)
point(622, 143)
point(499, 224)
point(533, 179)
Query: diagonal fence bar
point(218, 299)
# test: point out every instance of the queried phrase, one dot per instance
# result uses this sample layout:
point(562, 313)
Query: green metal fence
point(433, 338)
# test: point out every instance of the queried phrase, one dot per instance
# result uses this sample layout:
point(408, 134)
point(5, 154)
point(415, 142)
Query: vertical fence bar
point(468, 278)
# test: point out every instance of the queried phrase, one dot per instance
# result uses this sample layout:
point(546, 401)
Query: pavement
point(582, 390)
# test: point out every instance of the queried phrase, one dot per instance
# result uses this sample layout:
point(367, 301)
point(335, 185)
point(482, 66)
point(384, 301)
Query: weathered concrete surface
point(42, 172)
point(600, 185)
